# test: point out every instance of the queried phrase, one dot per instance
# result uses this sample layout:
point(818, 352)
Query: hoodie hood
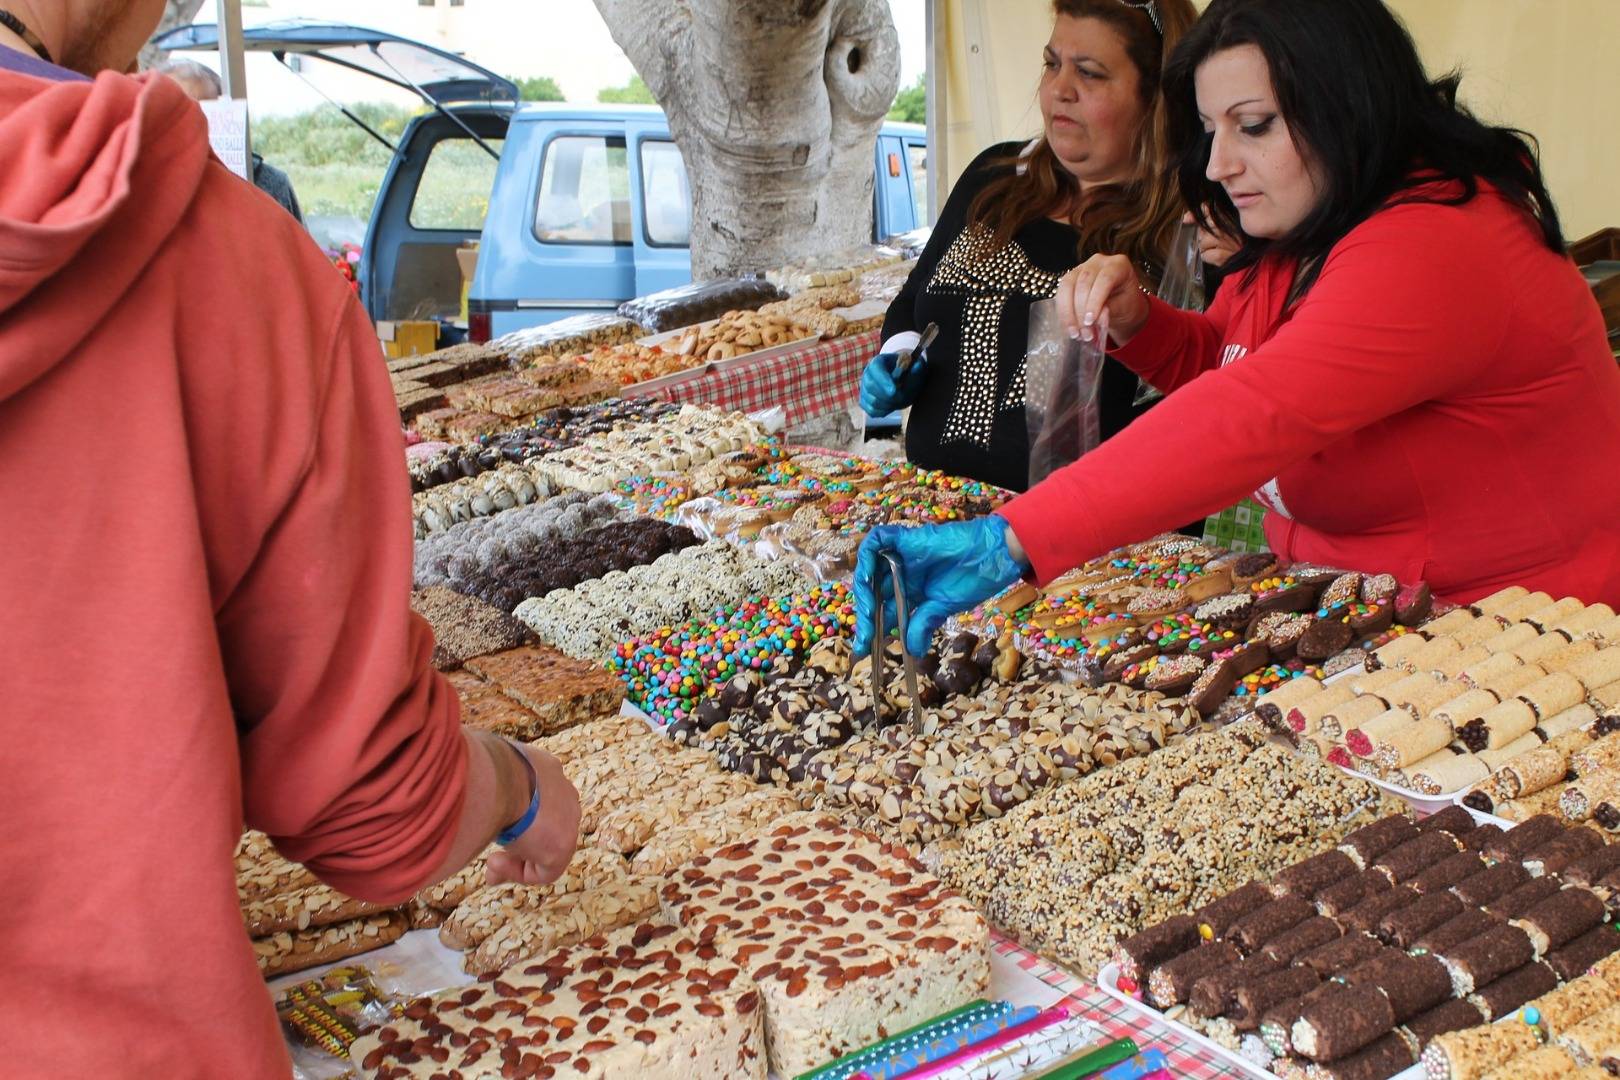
point(94, 179)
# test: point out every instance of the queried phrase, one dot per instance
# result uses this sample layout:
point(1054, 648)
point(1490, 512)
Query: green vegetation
point(911, 103)
point(634, 92)
point(334, 166)
point(539, 88)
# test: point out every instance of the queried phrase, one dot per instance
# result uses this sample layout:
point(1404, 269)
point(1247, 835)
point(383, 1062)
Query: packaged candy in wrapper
point(323, 1016)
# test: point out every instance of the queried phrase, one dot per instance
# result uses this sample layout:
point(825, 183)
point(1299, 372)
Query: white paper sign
point(228, 133)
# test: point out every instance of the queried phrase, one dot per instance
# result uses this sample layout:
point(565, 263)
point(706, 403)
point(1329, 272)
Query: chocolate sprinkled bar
point(1171, 983)
point(1453, 1015)
point(1212, 995)
point(1454, 931)
point(1341, 956)
point(1514, 989)
point(1479, 961)
point(1308, 935)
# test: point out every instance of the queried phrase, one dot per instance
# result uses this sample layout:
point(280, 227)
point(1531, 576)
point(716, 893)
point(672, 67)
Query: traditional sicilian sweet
point(685, 1010)
point(860, 941)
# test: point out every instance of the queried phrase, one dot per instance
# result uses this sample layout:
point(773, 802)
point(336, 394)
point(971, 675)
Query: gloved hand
point(882, 391)
point(944, 568)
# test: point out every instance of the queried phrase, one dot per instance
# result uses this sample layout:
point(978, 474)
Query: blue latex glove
point(945, 569)
point(882, 391)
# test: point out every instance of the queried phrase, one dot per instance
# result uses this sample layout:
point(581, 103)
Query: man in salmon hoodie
point(205, 567)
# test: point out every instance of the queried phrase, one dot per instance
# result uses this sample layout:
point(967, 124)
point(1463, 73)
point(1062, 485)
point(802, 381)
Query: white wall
point(1548, 66)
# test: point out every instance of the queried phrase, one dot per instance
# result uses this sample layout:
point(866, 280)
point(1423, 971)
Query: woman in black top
point(1021, 217)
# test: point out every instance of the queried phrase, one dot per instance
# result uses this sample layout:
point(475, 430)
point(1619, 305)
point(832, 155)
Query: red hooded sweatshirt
point(205, 580)
point(1442, 405)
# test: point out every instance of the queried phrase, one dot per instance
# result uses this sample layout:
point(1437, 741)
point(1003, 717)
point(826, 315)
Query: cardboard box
point(409, 337)
point(468, 258)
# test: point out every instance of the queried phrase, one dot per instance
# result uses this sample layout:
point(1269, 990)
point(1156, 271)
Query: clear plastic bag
point(1181, 287)
point(698, 302)
point(1062, 378)
point(832, 268)
point(566, 337)
point(910, 244)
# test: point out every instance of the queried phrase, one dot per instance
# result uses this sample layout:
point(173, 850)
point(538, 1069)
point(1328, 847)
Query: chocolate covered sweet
point(1367, 843)
point(1212, 995)
point(1303, 938)
point(1469, 923)
point(1560, 918)
point(1370, 912)
point(1251, 1000)
point(1340, 956)
point(1339, 1026)
point(1454, 1015)
point(1171, 983)
point(1514, 989)
point(1491, 884)
point(1140, 953)
point(1481, 960)
point(1405, 925)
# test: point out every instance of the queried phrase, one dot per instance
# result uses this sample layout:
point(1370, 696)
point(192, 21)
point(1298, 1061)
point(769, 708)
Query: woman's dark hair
point(1353, 91)
point(1136, 218)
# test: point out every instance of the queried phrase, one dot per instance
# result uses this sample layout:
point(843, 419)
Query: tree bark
point(175, 13)
point(776, 106)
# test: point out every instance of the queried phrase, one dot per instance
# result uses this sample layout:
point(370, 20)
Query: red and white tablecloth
point(1187, 1059)
point(807, 384)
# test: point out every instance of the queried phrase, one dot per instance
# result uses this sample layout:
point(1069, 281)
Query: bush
point(911, 104)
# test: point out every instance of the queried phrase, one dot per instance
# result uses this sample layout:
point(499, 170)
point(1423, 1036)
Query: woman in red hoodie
point(1404, 367)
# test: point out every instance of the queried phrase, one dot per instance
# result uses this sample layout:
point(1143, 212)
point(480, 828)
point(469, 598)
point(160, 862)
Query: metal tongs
point(891, 561)
point(909, 356)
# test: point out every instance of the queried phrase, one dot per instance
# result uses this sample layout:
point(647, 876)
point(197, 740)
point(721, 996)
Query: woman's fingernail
point(1091, 317)
point(1074, 332)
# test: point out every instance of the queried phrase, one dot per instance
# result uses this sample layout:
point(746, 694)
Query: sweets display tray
point(1108, 982)
point(1419, 801)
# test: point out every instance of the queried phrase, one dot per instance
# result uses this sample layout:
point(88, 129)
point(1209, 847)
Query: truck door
point(432, 201)
point(662, 212)
point(562, 241)
point(895, 210)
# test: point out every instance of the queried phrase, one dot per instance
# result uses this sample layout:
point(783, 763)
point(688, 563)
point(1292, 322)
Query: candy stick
point(1038, 1022)
point(947, 1042)
point(1060, 1042)
point(1141, 1067)
point(927, 1031)
point(1093, 1061)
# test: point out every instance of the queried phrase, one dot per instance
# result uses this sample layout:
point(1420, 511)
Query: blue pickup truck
point(587, 206)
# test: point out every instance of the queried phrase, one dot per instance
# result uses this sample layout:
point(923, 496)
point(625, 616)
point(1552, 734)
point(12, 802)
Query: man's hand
point(542, 853)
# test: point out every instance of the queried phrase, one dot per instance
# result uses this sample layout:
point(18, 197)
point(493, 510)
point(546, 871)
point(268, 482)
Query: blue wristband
point(521, 825)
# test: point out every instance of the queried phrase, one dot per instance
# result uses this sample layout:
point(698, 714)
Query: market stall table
point(807, 384)
point(418, 962)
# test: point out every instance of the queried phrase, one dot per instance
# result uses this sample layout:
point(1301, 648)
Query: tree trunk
point(175, 13)
point(776, 106)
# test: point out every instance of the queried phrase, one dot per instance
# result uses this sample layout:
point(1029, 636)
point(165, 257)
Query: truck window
point(455, 186)
point(584, 192)
point(668, 207)
point(918, 160)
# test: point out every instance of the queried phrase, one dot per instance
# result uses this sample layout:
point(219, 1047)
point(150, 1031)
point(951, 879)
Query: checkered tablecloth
point(807, 383)
point(1186, 1058)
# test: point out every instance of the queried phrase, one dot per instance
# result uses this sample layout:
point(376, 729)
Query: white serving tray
point(1419, 801)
